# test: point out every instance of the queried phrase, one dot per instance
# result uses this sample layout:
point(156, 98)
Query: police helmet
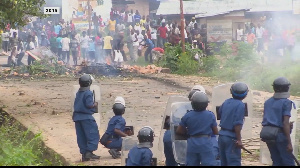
point(239, 90)
point(85, 80)
point(199, 101)
point(281, 84)
point(194, 89)
point(118, 109)
point(146, 134)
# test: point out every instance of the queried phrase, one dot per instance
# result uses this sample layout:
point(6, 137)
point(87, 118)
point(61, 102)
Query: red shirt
point(159, 49)
point(163, 32)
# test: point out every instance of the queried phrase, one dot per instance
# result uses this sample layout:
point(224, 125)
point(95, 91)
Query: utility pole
point(182, 26)
point(89, 16)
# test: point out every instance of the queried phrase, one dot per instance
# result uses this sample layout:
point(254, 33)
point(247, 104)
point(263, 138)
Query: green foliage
point(46, 65)
point(178, 62)
point(210, 64)
point(20, 147)
point(18, 12)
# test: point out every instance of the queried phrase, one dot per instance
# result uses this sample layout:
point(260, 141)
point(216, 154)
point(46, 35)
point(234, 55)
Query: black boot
point(90, 155)
point(84, 159)
point(114, 153)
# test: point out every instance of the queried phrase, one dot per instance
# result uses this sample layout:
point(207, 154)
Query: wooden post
point(182, 26)
point(89, 16)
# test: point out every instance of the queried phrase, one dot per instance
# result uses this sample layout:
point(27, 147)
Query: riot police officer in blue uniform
point(277, 112)
point(168, 150)
point(141, 155)
point(115, 129)
point(199, 124)
point(86, 127)
point(232, 113)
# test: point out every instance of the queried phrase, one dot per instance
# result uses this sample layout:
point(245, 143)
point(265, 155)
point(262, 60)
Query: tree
point(17, 13)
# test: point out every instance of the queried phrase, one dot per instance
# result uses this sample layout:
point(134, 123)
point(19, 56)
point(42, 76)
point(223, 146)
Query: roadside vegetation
point(237, 62)
point(20, 147)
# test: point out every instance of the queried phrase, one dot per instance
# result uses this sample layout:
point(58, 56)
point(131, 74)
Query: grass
point(140, 62)
point(20, 147)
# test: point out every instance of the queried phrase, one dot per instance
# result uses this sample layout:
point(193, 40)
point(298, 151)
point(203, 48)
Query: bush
point(210, 64)
point(178, 62)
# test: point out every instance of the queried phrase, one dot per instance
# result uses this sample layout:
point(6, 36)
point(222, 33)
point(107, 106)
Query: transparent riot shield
point(128, 143)
point(97, 98)
point(166, 116)
point(179, 143)
point(220, 94)
point(265, 157)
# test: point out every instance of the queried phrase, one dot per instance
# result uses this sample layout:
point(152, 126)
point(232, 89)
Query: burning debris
point(150, 69)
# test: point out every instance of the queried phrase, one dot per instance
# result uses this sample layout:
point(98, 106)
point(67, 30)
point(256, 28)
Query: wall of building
point(141, 5)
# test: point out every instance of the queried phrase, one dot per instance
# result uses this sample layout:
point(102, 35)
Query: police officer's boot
point(90, 155)
point(84, 159)
point(114, 153)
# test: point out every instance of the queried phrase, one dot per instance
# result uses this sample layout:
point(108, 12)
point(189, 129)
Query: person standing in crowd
point(137, 17)
point(57, 28)
point(44, 41)
point(120, 27)
point(259, 37)
point(150, 46)
point(130, 18)
point(99, 47)
point(276, 117)
point(107, 47)
point(112, 26)
point(5, 40)
point(96, 23)
point(53, 44)
point(74, 43)
point(65, 42)
point(85, 125)
point(30, 46)
point(21, 50)
point(232, 113)
point(239, 33)
point(91, 49)
point(250, 38)
point(13, 41)
point(154, 36)
point(141, 42)
point(135, 46)
point(84, 44)
point(163, 35)
point(142, 23)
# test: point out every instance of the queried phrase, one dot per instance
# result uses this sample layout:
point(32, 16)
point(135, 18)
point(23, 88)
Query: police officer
point(214, 137)
point(277, 113)
point(141, 155)
point(86, 127)
point(115, 128)
point(199, 124)
point(232, 113)
point(168, 150)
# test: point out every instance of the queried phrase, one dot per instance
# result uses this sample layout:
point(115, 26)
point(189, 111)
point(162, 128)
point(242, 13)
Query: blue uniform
point(214, 141)
point(199, 146)
point(168, 150)
point(274, 111)
point(139, 156)
point(232, 113)
point(116, 122)
point(86, 127)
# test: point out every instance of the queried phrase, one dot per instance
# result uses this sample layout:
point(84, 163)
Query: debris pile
point(150, 69)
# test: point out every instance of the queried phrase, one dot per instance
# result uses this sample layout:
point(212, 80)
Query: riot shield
point(97, 98)
point(220, 94)
point(128, 143)
point(167, 114)
point(265, 156)
point(179, 142)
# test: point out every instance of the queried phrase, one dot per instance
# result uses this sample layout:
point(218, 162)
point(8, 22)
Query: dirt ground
point(45, 105)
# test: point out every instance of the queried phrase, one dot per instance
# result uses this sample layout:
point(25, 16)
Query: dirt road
point(45, 105)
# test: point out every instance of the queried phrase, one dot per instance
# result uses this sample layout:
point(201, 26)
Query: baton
point(296, 160)
point(96, 108)
point(244, 148)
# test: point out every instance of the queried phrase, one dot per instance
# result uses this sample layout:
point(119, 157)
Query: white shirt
point(138, 28)
point(140, 38)
point(259, 32)
point(129, 20)
point(12, 32)
point(5, 36)
point(239, 34)
point(84, 42)
point(133, 39)
point(153, 34)
point(177, 31)
point(65, 43)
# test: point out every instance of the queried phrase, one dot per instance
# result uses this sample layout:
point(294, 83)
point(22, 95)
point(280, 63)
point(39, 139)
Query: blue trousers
point(230, 155)
point(115, 144)
point(279, 154)
point(168, 151)
point(87, 135)
point(216, 150)
point(205, 158)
